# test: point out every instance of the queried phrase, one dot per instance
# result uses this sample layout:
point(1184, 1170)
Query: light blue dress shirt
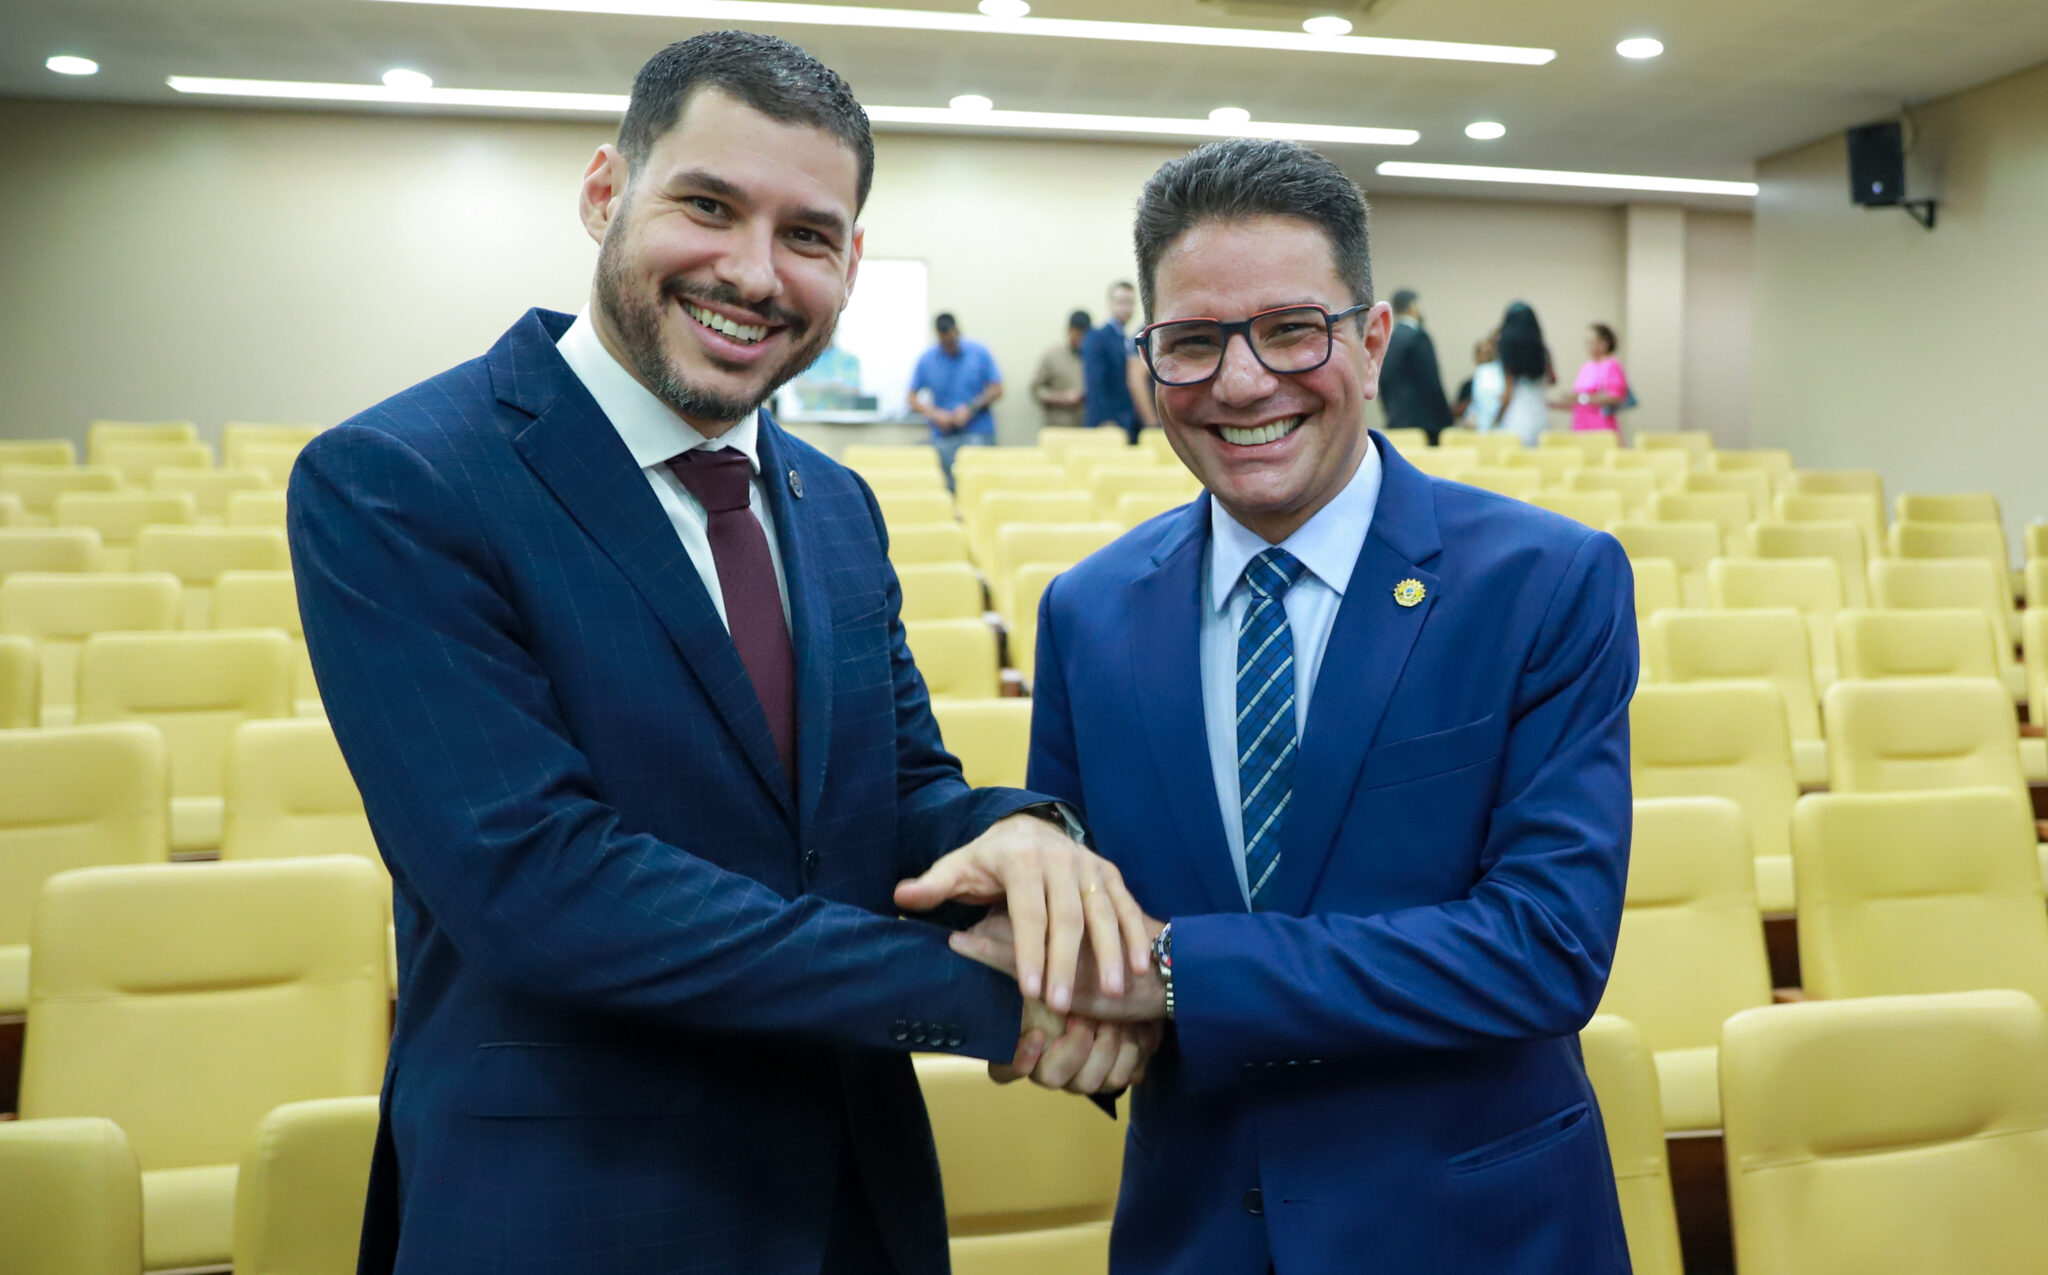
point(1328, 544)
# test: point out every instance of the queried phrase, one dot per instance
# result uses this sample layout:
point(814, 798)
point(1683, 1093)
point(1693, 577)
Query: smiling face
point(1272, 449)
point(726, 259)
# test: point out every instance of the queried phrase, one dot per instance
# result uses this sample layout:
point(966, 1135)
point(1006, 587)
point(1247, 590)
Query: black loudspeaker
point(1877, 165)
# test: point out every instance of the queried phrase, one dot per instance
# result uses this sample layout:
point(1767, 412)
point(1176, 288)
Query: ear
point(854, 248)
point(1379, 329)
point(603, 193)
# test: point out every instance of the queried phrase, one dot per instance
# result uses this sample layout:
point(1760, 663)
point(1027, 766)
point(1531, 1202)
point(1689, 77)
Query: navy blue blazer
point(1381, 1072)
point(648, 993)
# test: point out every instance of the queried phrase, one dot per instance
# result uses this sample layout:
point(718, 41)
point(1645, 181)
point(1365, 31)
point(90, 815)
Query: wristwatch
point(1060, 815)
point(1162, 962)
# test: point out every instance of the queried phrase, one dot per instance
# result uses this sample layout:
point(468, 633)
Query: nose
point(748, 264)
point(1242, 379)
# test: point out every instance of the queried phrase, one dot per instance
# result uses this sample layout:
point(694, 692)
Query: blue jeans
point(949, 445)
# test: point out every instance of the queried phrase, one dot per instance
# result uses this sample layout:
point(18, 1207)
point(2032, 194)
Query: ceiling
point(1740, 79)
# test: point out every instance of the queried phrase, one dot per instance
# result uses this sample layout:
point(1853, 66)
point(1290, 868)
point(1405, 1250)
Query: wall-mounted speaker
point(1877, 165)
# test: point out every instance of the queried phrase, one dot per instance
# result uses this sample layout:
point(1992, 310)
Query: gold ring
point(1091, 888)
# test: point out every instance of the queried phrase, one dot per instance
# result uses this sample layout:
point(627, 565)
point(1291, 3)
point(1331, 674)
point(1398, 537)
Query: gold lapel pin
point(1410, 592)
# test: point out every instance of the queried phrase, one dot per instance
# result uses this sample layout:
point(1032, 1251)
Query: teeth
point(719, 323)
point(1257, 434)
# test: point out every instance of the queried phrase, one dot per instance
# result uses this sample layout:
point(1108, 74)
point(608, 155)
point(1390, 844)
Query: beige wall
point(1879, 344)
point(1720, 285)
point(219, 264)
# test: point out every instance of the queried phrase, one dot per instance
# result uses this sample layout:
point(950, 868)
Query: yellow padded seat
point(198, 556)
point(991, 737)
point(1517, 481)
point(1810, 586)
point(39, 486)
point(121, 516)
point(1935, 642)
point(1494, 447)
point(1981, 540)
point(1866, 511)
point(1691, 950)
point(1723, 739)
point(138, 463)
point(1447, 461)
point(70, 1199)
point(1054, 440)
point(1591, 444)
point(1728, 510)
point(196, 688)
point(1888, 1135)
point(1406, 438)
point(1026, 590)
point(1625, 1081)
point(210, 488)
point(101, 435)
point(300, 1190)
point(12, 512)
point(61, 611)
point(1020, 543)
point(1689, 545)
point(1775, 461)
point(1904, 893)
point(1082, 461)
point(971, 459)
point(268, 600)
point(1111, 483)
point(940, 591)
point(907, 479)
point(21, 689)
point(37, 451)
point(1966, 506)
point(236, 437)
point(1922, 733)
point(1840, 541)
point(2037, 540)
point(290, 795)
point(1135, 507)
point(1658, 586)
point(866, 457)
point(1914, 583)
point(1551, 463)
point(1669, 468)
point(993, 510)
point(232, 988)
point(61, 549)
point(1696, 443)
point(906, 507)
point(255, 509)
point(956, 657)
point(1752, 484)
point(274, 459)
point(928, 542)
point(1596, 509)
point(1836, 482)
point(1768, 645)
point(74, 798)
point(2034, 625)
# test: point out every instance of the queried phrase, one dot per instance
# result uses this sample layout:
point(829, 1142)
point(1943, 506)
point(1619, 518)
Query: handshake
point(1063, 924)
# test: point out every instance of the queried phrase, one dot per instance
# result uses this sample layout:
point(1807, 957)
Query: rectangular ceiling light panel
point(1557, 177)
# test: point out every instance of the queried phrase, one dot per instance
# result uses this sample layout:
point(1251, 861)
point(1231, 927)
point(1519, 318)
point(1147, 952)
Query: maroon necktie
point(721, 481)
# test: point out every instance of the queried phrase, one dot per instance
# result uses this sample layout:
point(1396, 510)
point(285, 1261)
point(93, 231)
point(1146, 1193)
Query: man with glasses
point(1358, 740)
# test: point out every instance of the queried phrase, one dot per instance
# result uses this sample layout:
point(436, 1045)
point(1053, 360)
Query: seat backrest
point(77, 797)
point(1841, 541)
point(1549, 462)
point(266, 600)
point(21, 683)
point(1888, 1135)
point(1594, 508)
point(199, 555)
point(138, 462)
point(1689, 545)
point(1756, 645)
point(1811, 586)
point(1110, 483)
point(120, 516)
point(991, 737)
point(1775, 461)
point(940, 591)
point(1447, 461)
point(61, 611)
point(101, 435)
point(972, 485)
point(1910, 892)
point(1624, 1079)
point(1862, 508)
point(1591, 444)
point(906, 479)
point(1937, 642)
point(186, 1001)
point(70, 1199)
point(1835, 482)
point(1659, 587)
point(1900, 584)
point(1718, 739)
point(1081, 460)
point(2037, 540)
point(1919, 733)
point(61, 549)
point(1753, 484)
point(12, 512)
point(1027, 587)
point(290, 794)
point(255, 509)
point(194, 687)
point(2034, 628)
point(1134, 507)
point(1697, 443)
point(1668, 467)
point(928, 542)
point(1013, 1155)
point(969, 459)
point(1054, 440)
point(1518, 481)
point(902, 507)
point(38, 486)
point(236, 437)
point(1020, 542)
point(1979, 540)
point(1964, 506)
point(210, 488)
point(37, 451)
point(1728, 510)
point(956, 657)
point(299, 1195)
point(994, 510)
point(866, 458)
point(1691, 950)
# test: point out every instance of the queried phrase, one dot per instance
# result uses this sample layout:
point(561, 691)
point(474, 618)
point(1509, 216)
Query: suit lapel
point(574, 450)
point(810, 616)
point(1362, 664)
point(1166, 676)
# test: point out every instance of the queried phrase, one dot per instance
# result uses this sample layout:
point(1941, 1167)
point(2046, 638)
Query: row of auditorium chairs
point(195, 555)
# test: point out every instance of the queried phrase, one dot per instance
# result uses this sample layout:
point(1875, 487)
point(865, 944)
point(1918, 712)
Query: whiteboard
point(881, 335)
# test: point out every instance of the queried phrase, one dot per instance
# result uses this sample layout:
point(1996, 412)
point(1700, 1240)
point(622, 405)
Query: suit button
point(901, 1031)
point(1254, 1203)
point(811, 860)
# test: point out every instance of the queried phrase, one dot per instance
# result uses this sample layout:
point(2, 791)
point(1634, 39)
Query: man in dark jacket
point(1411, 387)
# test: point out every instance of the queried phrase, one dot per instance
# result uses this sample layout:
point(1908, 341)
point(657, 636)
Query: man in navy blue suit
point(1360, 738)
point(618, 667)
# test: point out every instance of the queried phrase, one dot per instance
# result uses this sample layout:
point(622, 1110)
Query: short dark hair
point(1606, 334)
point(773, 76)
point(1080, 319)
point(945, 323)
point(1404, 300)
point(1253, 177)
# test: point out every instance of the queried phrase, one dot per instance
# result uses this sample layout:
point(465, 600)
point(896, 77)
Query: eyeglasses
point(1287, 342)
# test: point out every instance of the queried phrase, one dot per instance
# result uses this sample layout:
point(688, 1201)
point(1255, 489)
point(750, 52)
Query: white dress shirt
point(654, 434)
point(1328, 544)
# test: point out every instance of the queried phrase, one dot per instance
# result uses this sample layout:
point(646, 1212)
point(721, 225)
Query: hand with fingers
point(1089, 1057)
point(1140, 1000)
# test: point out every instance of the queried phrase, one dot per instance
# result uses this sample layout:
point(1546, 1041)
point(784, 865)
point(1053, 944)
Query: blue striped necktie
point(1265, 716)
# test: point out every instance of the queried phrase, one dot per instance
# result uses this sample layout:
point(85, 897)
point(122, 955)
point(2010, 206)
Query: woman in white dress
point(1508, 394)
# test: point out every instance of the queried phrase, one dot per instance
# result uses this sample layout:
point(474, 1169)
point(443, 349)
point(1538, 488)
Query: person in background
point(1482, 354)
point(1601, 388)
point(1508, 393)
point(1106, 357)
point(1411, 384)
point(1057, 385)
point(952, 387)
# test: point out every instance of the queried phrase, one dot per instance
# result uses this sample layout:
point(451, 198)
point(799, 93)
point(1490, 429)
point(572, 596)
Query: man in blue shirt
point(952, 387)
point(1105, 365)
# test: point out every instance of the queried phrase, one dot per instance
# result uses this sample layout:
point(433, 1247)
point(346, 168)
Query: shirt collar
point(1328, 544)
point(651, 430)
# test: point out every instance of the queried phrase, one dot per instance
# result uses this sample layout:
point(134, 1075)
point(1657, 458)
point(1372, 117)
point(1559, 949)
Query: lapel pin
point(1409, 592)
point(796, 484)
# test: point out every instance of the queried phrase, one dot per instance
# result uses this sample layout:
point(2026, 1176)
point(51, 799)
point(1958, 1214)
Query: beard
point(638, 324)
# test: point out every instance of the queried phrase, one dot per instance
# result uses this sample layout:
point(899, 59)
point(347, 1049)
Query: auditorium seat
point(1934, 642)
point(1027, 588)
point(956, 657)
point(12, 512)
point(237, 437)
point(274, 459)
point(185, 1002)
point(1836, 482)
point(289, 794)
point(1756, 645)
point(991, 737)
point(138, 463)
point(74, 798)
point(864, 458)
point(268, 600)
point(1697, 444)
point(1966, 506)
point(1728, 510)
point(1810, 586)
point(1625, 1082)
point(1841, 541)
point(210, 488)
point(901, 508)
point(1910, 892)
point(1111, 483)
point(1888, 1136)
point(1406, 439)
point(928, 542)
point(1723, 740)
point(198, 556)
point(1691, 950)
point(1754, 485)
point(971, 486)
point(940, 591)
point(1054, 440)
point(1082, 460)
point(1447, 461)
point(1592, 445)
point(1905, 584)
point(39, 486)
point(1959, 540)
point(255, 509)
point(984, 509)
point(2035, 626)
point(1516, 481)
point(1548, 462)
point(37, 451)
point(300, 1190)
point(70, 1199)
point(120, 517)
point(1596, 509)
point(972, 459)
point(1689, 545)
point(1135, 507)
point(1634, 486)
point(196, 688)
point(1668, 468)
point(1863, 510)
point(60, 611)
point(21, 686)
point(2037, 542)
point(1030, 1175)
point(1921, 733)
point(1774, 461)
point(62, 549)
point(907, 479)
point(101, 435)
point(1018, 543)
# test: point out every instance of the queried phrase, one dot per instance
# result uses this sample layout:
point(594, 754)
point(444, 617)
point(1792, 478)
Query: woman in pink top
point(1601, 387)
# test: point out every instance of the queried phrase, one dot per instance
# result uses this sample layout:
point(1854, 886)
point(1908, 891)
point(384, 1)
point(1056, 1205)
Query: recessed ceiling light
point(399, 77)
point(65, 64)
point(1554, 177)
point(788, 12)
point(1328, 24)
point(972, 103)
point(1641, 46)
point(1485, 131)
point(1231, 115)
point(1004, 8)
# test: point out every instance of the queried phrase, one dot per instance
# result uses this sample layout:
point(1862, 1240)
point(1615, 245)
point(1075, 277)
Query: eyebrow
point(711, 183)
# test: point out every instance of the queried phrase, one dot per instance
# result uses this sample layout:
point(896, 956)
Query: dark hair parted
point(1252, 177)
point(772, 76)
point(1522, 354)
point(1606, 335)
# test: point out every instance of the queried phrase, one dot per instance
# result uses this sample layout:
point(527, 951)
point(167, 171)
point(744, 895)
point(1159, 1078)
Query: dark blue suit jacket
point(648, 994)
point(1381, 1072)
point(1105, 378)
